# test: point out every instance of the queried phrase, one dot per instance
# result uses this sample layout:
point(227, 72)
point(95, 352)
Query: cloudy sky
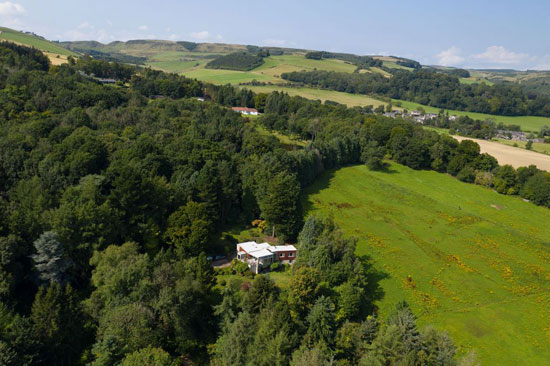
point(466, 33)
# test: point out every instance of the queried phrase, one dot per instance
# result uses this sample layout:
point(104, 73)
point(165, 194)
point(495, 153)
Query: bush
point(276, 266)
point(484, 179)
point(467, 174)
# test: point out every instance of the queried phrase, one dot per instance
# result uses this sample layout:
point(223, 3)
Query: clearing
point(466, 258)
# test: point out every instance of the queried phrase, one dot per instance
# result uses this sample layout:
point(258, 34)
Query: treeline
point(111, 56)
point(103, 68)
point(369, 139)
point(240, 61)
point(433, 89)
point(466, 126)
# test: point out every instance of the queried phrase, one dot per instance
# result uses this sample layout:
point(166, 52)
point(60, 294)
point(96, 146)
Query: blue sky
point(481, 33)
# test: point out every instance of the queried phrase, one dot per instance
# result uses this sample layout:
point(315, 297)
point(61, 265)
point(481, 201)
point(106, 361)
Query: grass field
point(527, 123)
point(351, 100)
point(30, 40)
point(477, 260)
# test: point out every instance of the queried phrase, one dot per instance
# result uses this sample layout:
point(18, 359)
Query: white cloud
point(219, 37)
point(173, 37)
point(450, 57)
point(274, 42)
point(202, 35)
point(500, 55)
point(143, 27)
point(8, 8)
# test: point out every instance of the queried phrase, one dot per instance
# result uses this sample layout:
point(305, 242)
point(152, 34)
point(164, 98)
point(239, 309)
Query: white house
point(261, 256)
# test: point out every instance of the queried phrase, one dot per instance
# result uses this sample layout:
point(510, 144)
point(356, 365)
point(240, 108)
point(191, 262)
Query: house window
point(291, 254)
point(282, 255)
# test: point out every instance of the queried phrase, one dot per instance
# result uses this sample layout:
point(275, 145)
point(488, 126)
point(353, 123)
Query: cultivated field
point(351, 100)
point(466, 258)
point(511, 155)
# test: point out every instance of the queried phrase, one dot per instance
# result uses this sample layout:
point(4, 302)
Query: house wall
point(285, 256)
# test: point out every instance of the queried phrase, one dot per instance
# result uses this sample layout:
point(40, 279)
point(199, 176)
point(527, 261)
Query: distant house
point(200, 99)
point(247, 111)
point(261, 256)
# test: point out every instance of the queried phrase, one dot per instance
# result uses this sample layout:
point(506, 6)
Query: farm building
point(261, 256)
point(247, 111)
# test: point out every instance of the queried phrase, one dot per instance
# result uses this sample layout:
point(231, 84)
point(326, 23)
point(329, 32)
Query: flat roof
point(283, 248)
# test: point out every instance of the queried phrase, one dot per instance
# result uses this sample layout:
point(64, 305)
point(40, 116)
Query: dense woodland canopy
point(434, 89)
point(240, 61)
point(112, 196)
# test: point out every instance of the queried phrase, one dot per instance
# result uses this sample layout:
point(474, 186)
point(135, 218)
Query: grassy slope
point(30, 40)
point(478, 260)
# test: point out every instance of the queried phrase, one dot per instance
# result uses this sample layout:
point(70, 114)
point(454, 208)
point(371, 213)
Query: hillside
point(466, 259)
point(55, 52)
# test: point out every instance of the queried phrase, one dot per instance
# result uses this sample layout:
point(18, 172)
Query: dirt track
point(514, 156)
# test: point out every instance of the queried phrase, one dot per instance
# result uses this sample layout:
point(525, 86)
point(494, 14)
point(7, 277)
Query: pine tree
point(50, 260)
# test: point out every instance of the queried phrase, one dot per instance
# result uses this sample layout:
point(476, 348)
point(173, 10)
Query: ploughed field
point(466, 258)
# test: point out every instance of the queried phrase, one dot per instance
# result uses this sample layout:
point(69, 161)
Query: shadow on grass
point(320, 183)
point(374, 276)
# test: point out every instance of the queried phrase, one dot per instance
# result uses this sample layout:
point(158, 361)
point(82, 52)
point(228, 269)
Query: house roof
point(283, 248)
point(262, 253)
point(252, 246)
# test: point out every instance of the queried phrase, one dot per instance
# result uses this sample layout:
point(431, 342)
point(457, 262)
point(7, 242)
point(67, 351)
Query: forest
point(435, 89)
point(113, 196)
point(240, 61)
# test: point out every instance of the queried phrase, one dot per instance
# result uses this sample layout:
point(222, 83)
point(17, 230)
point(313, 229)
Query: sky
point(501, 34)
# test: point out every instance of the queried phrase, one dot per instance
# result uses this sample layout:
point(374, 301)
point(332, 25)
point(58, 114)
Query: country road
point(514, 156)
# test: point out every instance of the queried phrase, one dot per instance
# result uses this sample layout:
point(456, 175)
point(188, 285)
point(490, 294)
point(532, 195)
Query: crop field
point(30, 40)
point(527, 123)
point(514, 156)
point(351, 100)
point(466, 258)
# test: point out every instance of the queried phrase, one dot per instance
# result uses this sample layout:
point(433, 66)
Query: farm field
point(351, 100)
point(527, 123)
point(466, 258)
point(30, 40)
point(514, 156)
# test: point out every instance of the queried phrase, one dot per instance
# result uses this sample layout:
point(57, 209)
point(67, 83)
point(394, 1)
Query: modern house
point(246, 111)
point(261, 256)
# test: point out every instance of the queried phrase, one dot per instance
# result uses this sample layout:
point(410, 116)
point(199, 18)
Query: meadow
point(467, 259)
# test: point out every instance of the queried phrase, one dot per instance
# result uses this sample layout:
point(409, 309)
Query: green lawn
point(527, 123)
point(537, 146)
point(30, 40)
point(477, 260)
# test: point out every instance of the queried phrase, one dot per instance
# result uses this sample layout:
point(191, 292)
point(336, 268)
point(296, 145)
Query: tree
point(529, 145)
point(304, 288)
point(149, 356)
point(59, 324)
point(230, 349)
point(260, 292)
point(506, 180)
point(373, 155)
point(50, 260)
point(537, 189)
point(190, 229)
point(321, 323)
point(281, 205)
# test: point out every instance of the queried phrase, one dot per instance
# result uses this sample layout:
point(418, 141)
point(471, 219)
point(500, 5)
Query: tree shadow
point(321, 182)
point(374, 277)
